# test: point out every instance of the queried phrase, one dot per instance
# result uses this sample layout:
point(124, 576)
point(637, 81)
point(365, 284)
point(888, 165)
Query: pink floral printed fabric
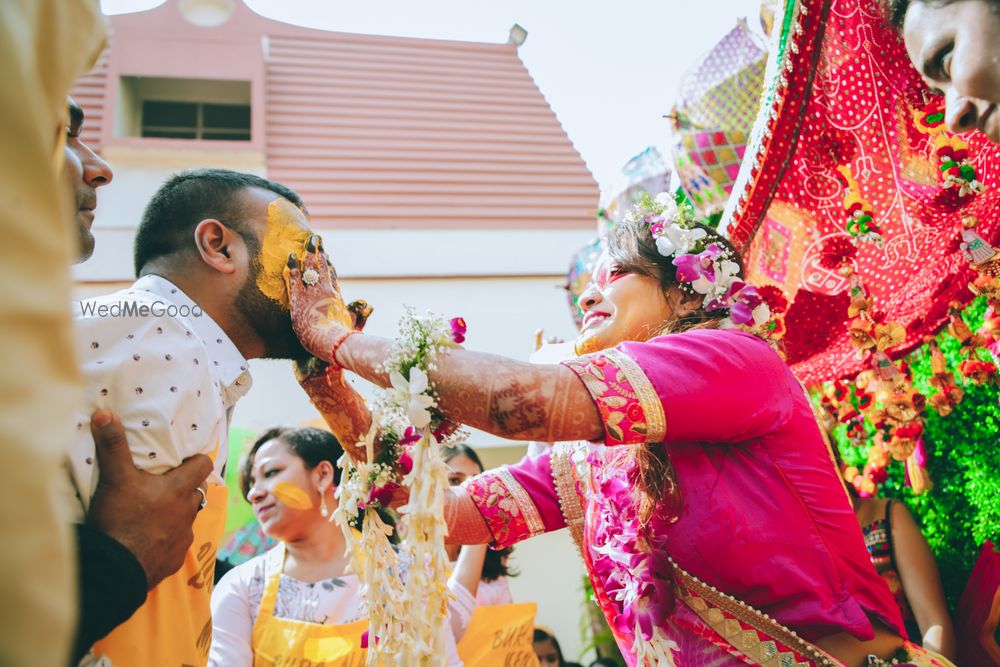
point(506, 507)
point(629, 406)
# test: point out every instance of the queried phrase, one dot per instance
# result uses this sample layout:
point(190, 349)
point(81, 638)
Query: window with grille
point(183, 109)
point(195, 120)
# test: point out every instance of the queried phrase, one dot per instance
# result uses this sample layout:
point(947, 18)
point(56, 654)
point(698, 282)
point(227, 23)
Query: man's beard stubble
point(270, 321)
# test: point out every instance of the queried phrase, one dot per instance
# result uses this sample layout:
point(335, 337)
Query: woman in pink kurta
point(765, 517)
point(703, 496)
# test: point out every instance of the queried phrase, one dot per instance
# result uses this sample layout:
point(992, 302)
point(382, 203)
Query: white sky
point(610, 69)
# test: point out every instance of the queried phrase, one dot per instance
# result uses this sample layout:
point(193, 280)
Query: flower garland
point(884, 394)
point(636, 569)
point(860, 223)
point(703, 268)
point(406, 613)
point(951, 151)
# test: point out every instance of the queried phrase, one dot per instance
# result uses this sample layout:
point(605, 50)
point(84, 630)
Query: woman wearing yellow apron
point(296, 604)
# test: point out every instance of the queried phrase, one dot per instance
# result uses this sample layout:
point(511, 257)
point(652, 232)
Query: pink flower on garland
point(458, 330)
point(382, 495)
point(410, 436)
point(638, 579)
point(405, 462)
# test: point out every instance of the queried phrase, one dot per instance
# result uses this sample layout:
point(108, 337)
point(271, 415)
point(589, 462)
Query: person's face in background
point(461, 468)
point(83, 173)
point(285, 495)
point(547, 653)
point(956, 48)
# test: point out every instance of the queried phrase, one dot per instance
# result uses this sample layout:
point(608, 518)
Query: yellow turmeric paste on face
point(287, 233)
point(292, 497)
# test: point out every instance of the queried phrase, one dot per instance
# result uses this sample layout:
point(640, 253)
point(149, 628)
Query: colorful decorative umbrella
point(719, 99)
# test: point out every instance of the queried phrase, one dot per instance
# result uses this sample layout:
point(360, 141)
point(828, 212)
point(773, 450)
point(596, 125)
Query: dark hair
point(448, 452)
point(190, 197)
point(546, 636)
point(631, 245)
point(312, 445)
point(895, 10)
point(493, 566)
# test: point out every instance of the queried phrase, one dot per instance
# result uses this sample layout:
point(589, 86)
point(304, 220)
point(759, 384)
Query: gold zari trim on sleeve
point(569, 500)
point(656, 421)
point(531, 516)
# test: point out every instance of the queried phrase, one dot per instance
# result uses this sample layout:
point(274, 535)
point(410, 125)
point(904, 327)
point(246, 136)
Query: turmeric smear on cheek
point(287, 233)
point(292, 496)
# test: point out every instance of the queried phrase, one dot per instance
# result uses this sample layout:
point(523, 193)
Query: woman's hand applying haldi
point(317, 312)
point(343, 409)
point(319, 317)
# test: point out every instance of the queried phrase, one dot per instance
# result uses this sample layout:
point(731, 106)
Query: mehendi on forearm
point(465, 523)
point(508, 398)
point(343, 409)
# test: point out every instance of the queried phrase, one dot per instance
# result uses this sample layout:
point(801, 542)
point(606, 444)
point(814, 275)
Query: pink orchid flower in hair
point(746, 306)
point(699, 270)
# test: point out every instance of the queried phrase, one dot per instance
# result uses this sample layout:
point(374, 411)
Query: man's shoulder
point(128, 322)
point(133, 307)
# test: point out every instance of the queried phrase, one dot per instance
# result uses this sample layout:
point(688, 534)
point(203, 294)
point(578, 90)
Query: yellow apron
point(280, 642)
point(500, 635)
point(174, 626)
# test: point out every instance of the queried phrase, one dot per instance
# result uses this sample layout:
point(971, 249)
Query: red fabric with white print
point(844, 94)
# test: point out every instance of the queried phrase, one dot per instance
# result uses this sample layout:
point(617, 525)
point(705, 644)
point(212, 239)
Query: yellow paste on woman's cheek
point(287, 233)
point(292, 496)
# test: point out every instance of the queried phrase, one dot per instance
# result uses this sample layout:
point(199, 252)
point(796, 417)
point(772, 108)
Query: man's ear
point(218, 245)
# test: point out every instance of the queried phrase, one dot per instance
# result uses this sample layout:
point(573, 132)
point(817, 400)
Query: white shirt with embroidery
point(236, 602)
point(167, 369)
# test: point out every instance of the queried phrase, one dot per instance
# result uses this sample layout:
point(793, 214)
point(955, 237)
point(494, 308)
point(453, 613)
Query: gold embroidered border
point(709, 603)
point(531, 516)
point(565, 482)
point(656, 421)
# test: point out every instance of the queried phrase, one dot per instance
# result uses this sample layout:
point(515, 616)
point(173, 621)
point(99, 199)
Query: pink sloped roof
point(379, 132)
point(389, 131)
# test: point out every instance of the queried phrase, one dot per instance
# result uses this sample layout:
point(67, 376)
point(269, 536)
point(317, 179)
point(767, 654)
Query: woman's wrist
point(335, 364)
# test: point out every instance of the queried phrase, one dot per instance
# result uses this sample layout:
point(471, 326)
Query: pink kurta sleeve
point(517, 501)
point(705, 385)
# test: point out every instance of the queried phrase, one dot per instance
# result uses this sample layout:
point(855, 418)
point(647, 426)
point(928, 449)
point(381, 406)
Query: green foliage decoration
point(962, 510)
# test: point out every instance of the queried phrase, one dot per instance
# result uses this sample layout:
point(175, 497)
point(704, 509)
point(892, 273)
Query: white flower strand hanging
point(405, 591)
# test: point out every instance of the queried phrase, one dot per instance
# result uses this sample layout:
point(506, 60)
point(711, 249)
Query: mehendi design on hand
point(508, 398)
point(318, 312)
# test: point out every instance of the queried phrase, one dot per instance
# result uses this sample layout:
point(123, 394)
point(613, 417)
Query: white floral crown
point(703, 267)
